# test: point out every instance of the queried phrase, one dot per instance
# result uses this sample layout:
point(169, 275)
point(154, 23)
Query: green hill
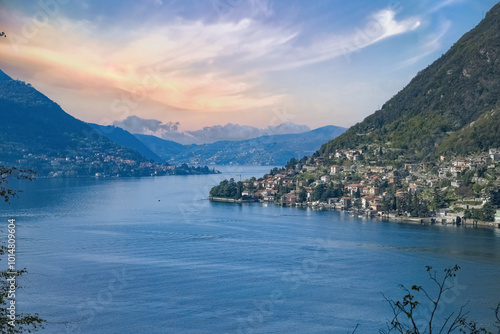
point(126, 139)
point(35, 132)
point(34, 124)
point(450, 107)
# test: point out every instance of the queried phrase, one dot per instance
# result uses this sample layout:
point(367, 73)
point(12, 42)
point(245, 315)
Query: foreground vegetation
point(24, 323)
point(419, 309)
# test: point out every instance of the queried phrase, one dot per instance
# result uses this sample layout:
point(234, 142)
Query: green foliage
point(438, 201)
point(495, 197)
point(486, 213)
point(25, 323)
point(323, 192)
point(276, 170)
point(184, 169)
point(464, 191)
point(434, 113)
point(5, 174)
point(291, 164)
point(227, 189)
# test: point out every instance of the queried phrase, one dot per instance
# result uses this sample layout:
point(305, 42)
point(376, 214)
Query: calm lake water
point(152, 255)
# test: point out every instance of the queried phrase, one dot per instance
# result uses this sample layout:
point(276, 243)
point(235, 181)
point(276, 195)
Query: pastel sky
point(207, 62)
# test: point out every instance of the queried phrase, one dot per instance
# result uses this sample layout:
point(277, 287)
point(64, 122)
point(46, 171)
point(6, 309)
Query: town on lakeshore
point(458, 191)
point(97, 163)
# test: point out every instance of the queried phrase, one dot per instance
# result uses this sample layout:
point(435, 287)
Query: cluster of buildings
point(94, 164)
point(364, 185)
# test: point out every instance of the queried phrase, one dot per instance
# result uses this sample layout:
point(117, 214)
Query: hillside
point(33, 124)
point(35, 133)
point(272, 150)
point(451, 107)
point(125, 138)
point(166, 149)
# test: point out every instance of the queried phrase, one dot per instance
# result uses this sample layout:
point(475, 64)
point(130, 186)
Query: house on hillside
point(335, 169)
point(325, 179)
point(353, 188)
point(345, 203)
point(290, 199)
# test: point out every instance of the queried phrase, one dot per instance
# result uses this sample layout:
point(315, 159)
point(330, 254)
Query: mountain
point(451, 107)
point(166, 149)
point(272, 150)
point(125, 138)
point(36, 133)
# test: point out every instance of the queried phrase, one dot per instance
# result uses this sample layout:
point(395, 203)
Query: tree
point(464, 191)
point(495, 197)
point(438, 201)
point(405, 320)
point(318, 191)
point(387, 204)
point(357, 203)
point(302, 196)
point(467, 215)
point(489, 212)
point(23, 322)
point(291, 164)
point(5, 174)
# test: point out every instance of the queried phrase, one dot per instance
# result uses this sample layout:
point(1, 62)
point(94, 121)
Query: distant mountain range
point(272, 150)
point(450, 108)
point(35, 132)
point(206, 135)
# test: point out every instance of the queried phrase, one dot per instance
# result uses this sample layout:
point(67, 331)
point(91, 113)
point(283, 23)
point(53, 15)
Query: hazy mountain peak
point(206, 135)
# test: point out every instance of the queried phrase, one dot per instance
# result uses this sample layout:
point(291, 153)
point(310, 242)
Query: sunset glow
point(178, 62)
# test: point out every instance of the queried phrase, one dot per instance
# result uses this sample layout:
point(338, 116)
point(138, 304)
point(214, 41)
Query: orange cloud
point(154, 66)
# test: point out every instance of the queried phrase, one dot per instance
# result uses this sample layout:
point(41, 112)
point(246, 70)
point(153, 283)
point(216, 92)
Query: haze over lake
point(152, 255)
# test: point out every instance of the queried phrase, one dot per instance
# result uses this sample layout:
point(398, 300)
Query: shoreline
point(231, 200)
point(391, 218)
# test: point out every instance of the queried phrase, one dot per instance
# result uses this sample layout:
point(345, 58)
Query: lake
point(152, 255)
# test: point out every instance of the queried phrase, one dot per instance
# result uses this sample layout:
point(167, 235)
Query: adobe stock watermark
point(130, 101)
point(11, 273)
point(371, 31)
point(223, 7)
point(452, 291)
point(294, 279)
point(92, 307)
point(47, 9)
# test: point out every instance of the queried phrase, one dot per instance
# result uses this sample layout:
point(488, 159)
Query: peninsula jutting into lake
point(249, 166)
point(430, 154)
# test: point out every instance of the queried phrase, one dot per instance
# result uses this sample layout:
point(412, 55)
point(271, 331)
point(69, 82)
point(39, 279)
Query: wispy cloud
point(431, 44)
point(201, 66)
point(444, 3)
point(378, 27)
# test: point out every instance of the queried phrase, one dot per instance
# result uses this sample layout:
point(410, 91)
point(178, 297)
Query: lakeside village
point(101, 164)
point(457, 191)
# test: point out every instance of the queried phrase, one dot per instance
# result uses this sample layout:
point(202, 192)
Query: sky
point(192, 64)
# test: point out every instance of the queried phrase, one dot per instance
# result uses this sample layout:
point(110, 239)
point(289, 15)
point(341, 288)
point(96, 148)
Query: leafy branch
point(405, 311)
point(24, 322)
point(13, 172)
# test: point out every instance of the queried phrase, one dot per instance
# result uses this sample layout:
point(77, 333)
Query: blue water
point(152, 255)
